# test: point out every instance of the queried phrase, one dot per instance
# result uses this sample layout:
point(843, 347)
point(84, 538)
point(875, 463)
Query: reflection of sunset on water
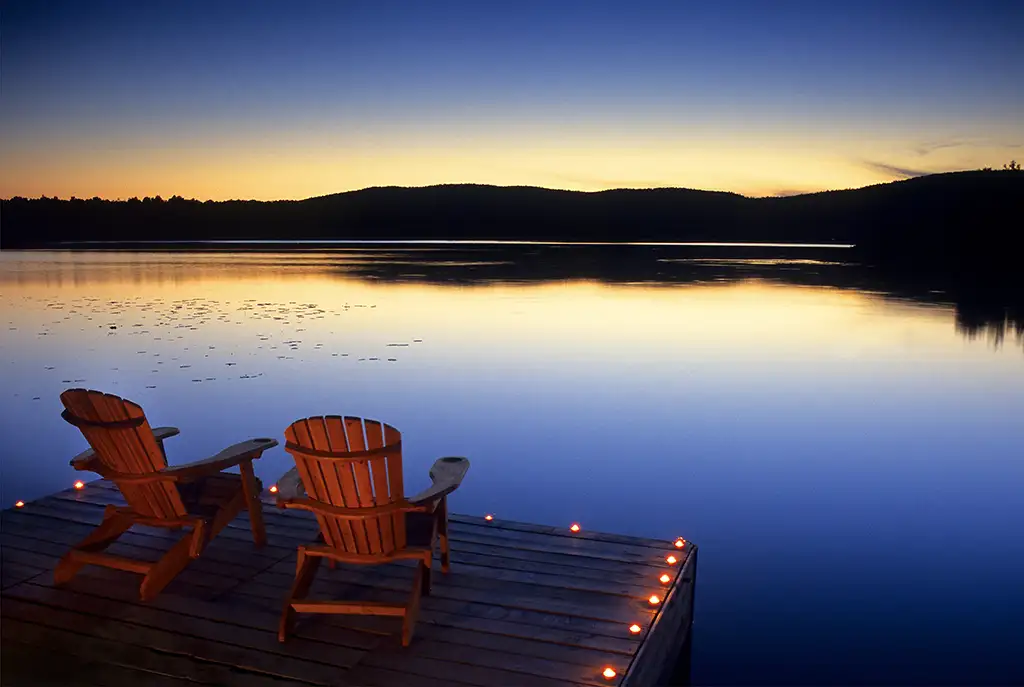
point(744, 402)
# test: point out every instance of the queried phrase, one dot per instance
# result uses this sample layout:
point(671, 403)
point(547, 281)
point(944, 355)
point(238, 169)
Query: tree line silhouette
point(967, 222)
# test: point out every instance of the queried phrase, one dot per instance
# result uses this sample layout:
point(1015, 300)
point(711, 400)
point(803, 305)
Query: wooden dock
point(524, 605)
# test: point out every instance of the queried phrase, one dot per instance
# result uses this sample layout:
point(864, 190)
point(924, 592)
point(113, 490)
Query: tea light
point(575, 527)
point(671, 560)
point(654, 600)
point(488, 517)
point(664, 579)
point(19, 504)
point(609, 673)
point(79, 484)
point(635, 629)
point(680, 543)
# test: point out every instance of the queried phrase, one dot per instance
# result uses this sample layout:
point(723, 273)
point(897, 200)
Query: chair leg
point(227, 512)
point(427, 573)
point(442, 533)
point(252, 487)
point(172, 563)
point(412, 609)
point(113, 526)
point(305, 571)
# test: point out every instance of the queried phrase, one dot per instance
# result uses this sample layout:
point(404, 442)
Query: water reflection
point(842, 450)
point(990, 315)
point(990, 322)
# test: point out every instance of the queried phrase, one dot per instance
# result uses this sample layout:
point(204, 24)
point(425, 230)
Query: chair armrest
point(290, 487)
point(162, 433)
point(83, 460)
point(86, 460)
point(447, 474)
point(229, 457)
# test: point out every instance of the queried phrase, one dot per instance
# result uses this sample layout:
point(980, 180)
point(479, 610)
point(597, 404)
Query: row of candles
point(610, 673)
point(78, 485)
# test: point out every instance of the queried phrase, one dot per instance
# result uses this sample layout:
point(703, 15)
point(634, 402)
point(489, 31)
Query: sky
point(273, 100)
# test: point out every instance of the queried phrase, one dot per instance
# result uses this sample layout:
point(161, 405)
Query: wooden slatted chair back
point(120, 435)
point(352, 463)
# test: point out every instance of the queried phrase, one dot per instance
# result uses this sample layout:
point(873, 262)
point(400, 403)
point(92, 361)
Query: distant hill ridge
point(954, 216)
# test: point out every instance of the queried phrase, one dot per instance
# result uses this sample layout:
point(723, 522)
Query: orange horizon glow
point(255, 171)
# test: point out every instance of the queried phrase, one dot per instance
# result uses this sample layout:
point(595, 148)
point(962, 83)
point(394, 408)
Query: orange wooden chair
point(127, 451)
point(348, 473)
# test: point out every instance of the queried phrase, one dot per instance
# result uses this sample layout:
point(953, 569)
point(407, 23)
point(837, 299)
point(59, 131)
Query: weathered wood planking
point(523, 605)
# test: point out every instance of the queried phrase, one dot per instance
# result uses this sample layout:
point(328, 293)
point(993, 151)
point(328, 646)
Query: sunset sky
point(297, 99)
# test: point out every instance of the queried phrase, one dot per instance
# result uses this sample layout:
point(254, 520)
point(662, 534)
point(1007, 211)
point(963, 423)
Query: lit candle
point(488, 517)
point(654, 600)
point(664, 579)
point(79, 484)
point(273, 488)
point(671, 560)
point(634, 628)
point(19, 504)
point(575, 527)
point(609, 673)
point(680, 543)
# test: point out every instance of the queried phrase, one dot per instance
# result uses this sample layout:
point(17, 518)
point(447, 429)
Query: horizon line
point(513, 186)
point(474, 242)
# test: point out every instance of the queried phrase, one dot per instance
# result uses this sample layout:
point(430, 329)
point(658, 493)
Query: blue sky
point(288, 100)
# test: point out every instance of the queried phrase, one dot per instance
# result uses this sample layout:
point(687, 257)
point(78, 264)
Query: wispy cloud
point(928, 147)
point(895, 170)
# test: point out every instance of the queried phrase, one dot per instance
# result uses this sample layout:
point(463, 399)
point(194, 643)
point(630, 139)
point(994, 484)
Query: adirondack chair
point(127, 451)
point(348, 473)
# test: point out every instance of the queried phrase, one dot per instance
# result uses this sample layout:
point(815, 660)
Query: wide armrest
point(447, 474)
point(162, 433)
point(84, 459)
point(229, 457)
point(290, 487)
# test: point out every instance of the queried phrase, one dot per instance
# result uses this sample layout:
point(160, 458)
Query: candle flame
point(488, 517)
point(671, 560)
point(654, 600)
point(575, 527)
point(609, 673)
point(634, 628)
point(680, 543)
point(79, 484)
point(273, 488)
point(19, 504)
point(664, 579)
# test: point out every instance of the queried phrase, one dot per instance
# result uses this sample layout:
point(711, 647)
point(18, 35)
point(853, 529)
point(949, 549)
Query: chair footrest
point(110, 561)
point(348, 607)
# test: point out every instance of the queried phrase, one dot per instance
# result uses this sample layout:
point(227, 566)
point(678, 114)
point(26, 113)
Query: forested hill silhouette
point(954, 217)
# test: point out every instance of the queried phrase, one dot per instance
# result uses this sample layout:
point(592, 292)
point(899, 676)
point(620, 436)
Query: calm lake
point(848, 456)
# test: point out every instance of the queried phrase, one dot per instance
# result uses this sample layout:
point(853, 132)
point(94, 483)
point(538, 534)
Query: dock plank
point(524, 604)
point(27, 665)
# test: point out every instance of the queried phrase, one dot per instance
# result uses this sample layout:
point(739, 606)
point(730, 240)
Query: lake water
point(850, 460)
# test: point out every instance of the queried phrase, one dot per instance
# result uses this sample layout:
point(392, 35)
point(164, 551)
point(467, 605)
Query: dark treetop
point(954, 218)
